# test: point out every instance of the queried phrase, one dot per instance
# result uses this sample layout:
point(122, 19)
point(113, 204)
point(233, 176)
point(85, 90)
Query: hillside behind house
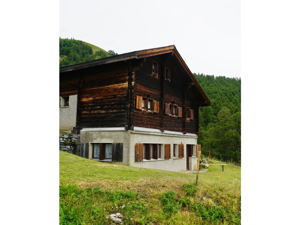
point(73, 51)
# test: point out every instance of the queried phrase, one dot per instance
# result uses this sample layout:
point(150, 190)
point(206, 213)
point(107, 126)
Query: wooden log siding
point(103, 101)
point(146, 86)
point(167, 151)
point(139, 152)
point(181, 150)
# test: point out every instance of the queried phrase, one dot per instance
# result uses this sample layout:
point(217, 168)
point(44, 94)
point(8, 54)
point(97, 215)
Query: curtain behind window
point(96, 150)
point(108, 151)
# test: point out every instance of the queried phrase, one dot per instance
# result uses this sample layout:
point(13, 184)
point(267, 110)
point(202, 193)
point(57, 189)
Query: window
point(102, 151)
point(64, 101)
point(189, 114)
point(147, 151)
point(154, 69)
point(167, 74)
point(172, 109)
point(147, 104)
point(175, 150)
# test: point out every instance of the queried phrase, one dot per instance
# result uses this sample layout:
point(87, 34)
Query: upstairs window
point(147, 104)
point(150, 105)
point(173, 110)
point(189, 114)
point(167, 74)
point(154, 69)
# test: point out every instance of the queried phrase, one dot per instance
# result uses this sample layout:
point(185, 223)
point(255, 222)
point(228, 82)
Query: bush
point(189, 189)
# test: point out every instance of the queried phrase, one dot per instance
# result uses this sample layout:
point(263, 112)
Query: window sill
point(152, 160)
point(147, 111)
point(173, 116)
point(64, 106)
point(175, 158)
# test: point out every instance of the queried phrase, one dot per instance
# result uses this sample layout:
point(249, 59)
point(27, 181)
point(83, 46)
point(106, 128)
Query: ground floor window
point(175, 150)
point(152, 151)
point(102, 151)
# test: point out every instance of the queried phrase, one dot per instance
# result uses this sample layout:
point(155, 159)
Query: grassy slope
point(145, 187)
point(96, 48)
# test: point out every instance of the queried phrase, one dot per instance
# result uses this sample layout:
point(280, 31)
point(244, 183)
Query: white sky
point(206, 33)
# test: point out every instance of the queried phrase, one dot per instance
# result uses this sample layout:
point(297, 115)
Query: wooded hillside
point(220, 123)
point(73, 51)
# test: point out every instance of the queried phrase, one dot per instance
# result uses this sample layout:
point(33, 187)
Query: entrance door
point(189, 153)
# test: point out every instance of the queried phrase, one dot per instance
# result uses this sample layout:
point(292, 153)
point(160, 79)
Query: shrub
point(189, 189)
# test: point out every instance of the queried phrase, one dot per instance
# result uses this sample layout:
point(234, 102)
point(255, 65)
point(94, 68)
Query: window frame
point(150, 147)
point(154, 69)
point(103, 144)
point(64, 101)
point(167, 74)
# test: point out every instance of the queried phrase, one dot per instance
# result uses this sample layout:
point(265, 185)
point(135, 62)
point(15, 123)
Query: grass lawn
point(90, 191)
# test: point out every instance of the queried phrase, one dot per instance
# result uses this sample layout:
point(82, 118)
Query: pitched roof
point(139, 55)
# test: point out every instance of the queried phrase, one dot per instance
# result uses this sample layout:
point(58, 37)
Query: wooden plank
point(181, 150)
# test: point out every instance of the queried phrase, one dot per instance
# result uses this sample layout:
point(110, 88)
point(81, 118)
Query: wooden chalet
point(138, 108)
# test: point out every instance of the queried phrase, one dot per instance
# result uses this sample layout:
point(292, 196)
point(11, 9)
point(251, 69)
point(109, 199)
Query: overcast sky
point(207, 34)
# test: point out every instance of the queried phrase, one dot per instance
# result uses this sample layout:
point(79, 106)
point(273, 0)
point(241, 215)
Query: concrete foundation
point(149, 136)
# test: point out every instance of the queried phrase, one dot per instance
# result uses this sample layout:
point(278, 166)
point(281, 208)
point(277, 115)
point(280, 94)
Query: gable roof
point(139, 55)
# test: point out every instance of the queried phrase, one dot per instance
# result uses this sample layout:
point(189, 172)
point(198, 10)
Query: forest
point(220, 123)
point(73, 51)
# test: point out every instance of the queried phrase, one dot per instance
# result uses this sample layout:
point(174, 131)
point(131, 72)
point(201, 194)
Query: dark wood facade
point(107, 91)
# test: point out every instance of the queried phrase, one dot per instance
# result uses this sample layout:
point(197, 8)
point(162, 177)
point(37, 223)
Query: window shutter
point(148, 151)
point(198, 149)
point(181, 150)
point(86, 150)
point(117, 152)
point(156, 106)
point(138, 152)
point(179, 111)
point(167, 151)
point(139, 102)
point(192, 114)
point(102, 151)
point(167, 108)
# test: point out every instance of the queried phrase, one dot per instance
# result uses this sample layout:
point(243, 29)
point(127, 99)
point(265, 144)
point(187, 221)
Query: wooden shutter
point(167, 108)
point(117, 152)
point(102, 151)
point(139, 152)
point(156, 106)
point(86, 150)
point(148, 151)
point(192, 114)
point(181, 150)
point(179, 111)
point(198, 149)
point(139, 102)
point(167, 151)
